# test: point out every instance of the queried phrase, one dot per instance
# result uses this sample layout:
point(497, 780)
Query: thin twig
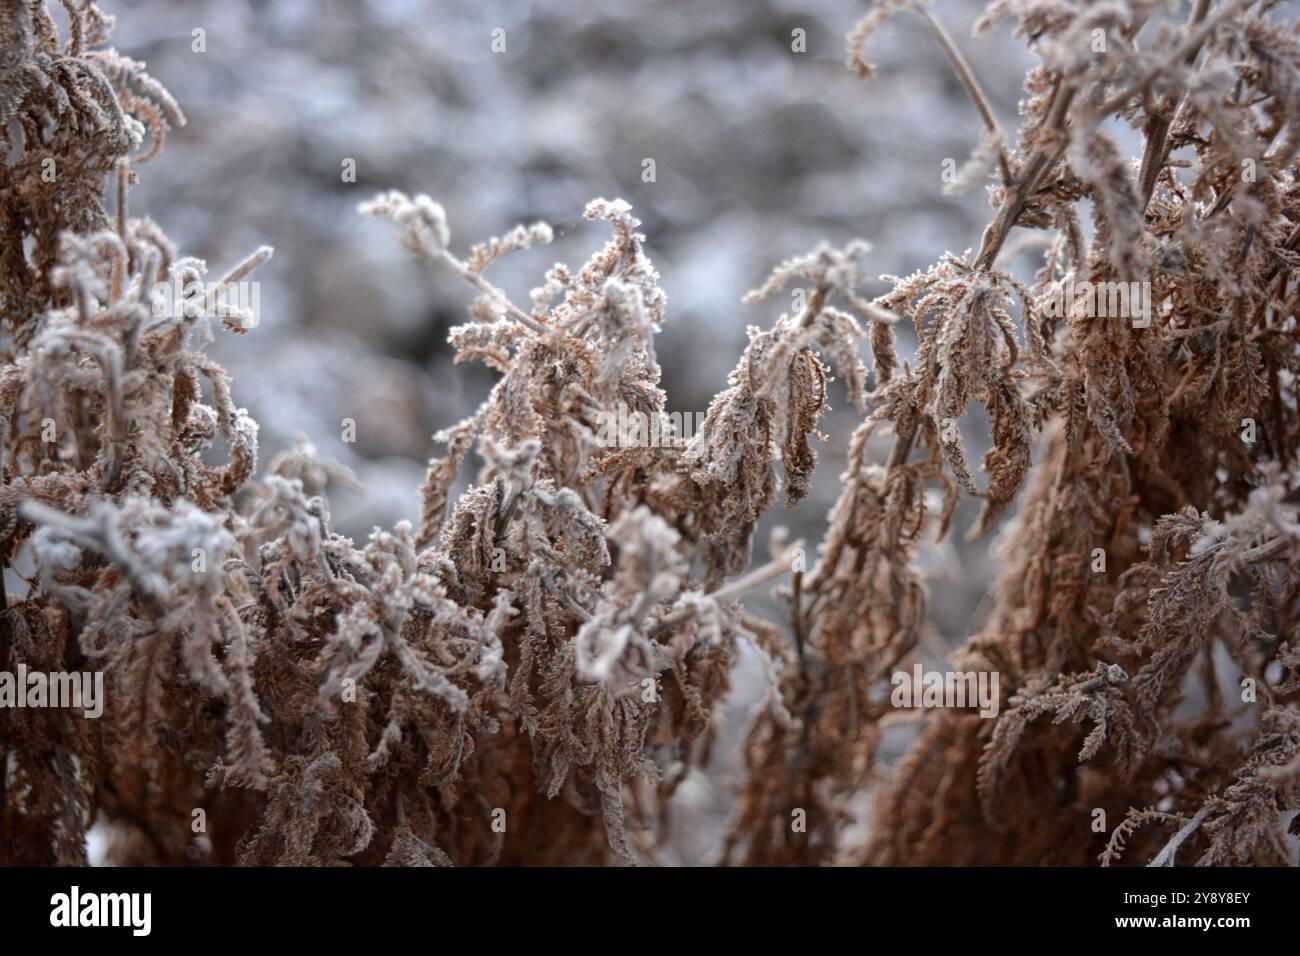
point(731, 591)
point(1166, 856)
point(1156, 151)
point(973, 89)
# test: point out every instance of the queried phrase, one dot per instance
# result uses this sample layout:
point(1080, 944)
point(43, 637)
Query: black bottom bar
point(296, 907)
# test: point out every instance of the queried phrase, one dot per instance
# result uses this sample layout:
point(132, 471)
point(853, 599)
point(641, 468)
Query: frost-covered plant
point(1150, 568)
point(529, 676)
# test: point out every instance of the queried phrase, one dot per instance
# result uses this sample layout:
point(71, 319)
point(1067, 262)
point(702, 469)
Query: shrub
point(530, 674)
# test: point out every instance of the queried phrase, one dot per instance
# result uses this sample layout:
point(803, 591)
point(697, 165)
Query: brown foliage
point(550, 648)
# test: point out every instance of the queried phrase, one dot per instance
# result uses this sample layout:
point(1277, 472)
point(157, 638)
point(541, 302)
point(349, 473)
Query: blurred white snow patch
point(97, 839)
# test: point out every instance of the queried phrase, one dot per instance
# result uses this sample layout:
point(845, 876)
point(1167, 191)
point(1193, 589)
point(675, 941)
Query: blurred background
point(760, 152)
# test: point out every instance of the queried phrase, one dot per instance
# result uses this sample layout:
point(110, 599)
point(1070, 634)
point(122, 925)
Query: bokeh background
point(760, 153)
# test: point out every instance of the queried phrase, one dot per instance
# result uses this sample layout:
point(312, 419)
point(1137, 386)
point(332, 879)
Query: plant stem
point(968, 80)
point(731, 591)
point(1166, 856)
point(1153, 157)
